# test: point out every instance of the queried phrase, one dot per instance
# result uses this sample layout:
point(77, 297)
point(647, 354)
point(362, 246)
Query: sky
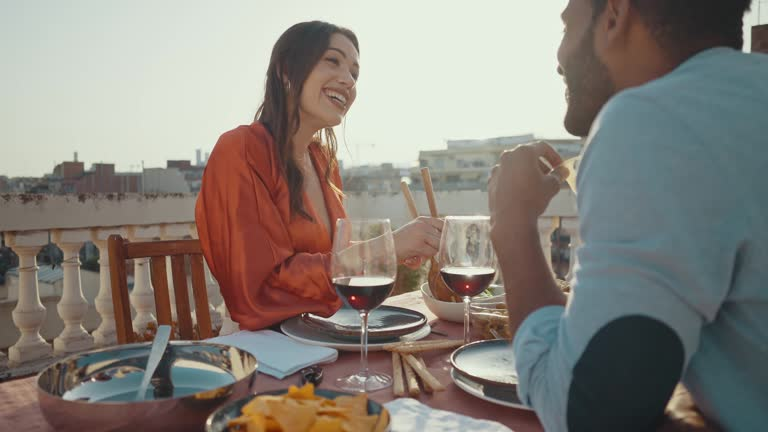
point(144, 81)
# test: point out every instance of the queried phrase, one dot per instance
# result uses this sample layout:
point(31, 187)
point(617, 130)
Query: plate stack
point(386, 324)
point(486, 370)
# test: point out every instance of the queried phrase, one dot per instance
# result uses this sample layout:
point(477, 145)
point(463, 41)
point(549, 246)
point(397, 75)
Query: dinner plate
point(297, 329)
point(384, 322)
point(217, 421)
point(505, 396)
point(487, 362)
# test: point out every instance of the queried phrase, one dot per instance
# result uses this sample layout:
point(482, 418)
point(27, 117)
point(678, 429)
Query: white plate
point(296, 329)
point(478, 390)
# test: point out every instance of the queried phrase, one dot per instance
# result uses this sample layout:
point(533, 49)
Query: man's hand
point(521, 185)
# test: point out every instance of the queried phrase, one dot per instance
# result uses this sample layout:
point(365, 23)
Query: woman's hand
point(419, 238)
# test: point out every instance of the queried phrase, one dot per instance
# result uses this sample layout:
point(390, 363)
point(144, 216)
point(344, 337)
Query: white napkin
point(410, 415)
point(277, 354)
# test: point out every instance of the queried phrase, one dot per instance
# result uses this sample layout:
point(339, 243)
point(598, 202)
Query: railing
point(29, 221)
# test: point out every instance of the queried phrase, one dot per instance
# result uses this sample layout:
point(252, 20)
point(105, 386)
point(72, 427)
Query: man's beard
point(589, 86)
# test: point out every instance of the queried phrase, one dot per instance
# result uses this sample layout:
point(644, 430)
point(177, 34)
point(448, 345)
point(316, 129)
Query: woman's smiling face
point(330, 90)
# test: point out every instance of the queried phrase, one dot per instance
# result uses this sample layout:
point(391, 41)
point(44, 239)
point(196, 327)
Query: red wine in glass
point(364, 292)
point(468, 281)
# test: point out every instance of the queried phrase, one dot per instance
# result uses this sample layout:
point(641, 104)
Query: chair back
point(121, 250)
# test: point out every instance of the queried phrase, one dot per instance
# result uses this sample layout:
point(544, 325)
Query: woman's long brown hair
point(294, 55)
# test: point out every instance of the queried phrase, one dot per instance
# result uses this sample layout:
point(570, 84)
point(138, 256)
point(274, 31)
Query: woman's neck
point(301, 141)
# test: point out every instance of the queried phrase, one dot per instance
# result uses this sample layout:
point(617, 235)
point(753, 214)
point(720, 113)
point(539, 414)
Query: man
point(672, 277)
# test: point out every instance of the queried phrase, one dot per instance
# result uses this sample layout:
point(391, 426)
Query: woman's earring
point(288, 86)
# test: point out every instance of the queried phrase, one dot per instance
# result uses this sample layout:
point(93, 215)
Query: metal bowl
point(95, 390)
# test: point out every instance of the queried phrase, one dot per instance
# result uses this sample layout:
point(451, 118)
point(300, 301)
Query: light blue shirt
point(673, 207)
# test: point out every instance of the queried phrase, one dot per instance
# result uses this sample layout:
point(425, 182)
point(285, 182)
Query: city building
point(164, 180)
point(374, 179)
point(760, 39)
point(193, 174)
point(102, 178)
point(65, 176)
point(465, 164)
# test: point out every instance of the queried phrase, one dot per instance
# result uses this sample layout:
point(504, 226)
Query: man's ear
point(613, 24)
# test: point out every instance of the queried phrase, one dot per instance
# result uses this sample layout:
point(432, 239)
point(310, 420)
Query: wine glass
point(363, 270)
point(466, 258)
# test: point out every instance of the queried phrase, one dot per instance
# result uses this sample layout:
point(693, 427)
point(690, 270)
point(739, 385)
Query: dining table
point(20, 412)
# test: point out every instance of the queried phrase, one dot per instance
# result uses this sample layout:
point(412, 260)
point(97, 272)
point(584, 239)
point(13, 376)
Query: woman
point(271, 192)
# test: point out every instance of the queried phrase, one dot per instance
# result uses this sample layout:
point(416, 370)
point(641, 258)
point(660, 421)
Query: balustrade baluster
point(142, 296)
point(72, 307)
point(106, 333)
point(29, 314)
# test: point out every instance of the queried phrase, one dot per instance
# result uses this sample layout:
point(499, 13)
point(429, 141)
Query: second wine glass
point(466, 258)
point(363, 271)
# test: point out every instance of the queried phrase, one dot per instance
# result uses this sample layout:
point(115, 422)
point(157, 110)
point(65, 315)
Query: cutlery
point(155, 355)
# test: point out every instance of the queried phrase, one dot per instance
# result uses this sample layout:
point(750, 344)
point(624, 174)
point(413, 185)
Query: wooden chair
point(121, 250)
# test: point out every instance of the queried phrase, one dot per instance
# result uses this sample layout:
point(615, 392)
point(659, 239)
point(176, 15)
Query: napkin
point(410, 415)
point(277, 354)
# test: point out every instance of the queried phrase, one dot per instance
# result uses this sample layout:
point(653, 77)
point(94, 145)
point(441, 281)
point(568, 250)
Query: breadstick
point(421, 346)
point(423, 373)
point(427, 179)
point(427, 388)
point(397, 373)
point(410, 377)
point(409, 200)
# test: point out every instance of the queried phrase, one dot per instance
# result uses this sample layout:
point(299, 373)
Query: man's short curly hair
point(680, 25)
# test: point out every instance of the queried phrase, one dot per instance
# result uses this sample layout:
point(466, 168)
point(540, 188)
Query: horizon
point(133, 82)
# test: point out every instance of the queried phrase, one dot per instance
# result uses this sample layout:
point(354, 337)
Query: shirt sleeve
point(247, 246)
point(653, 268)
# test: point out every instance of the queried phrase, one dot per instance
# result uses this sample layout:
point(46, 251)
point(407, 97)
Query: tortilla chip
point(327, 424)
point(334, 411)
point(307, 391)
point(293, 417)
point(358, 404)
point(383, 422)
point(251, 423)
point(360, 423)
point(258, 405)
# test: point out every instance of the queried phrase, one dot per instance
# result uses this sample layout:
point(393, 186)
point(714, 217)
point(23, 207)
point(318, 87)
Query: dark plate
point(487, 362)
point(384, 322)
point(217, 421)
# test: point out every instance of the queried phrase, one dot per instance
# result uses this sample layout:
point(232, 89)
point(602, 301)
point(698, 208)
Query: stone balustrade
point(30, 222)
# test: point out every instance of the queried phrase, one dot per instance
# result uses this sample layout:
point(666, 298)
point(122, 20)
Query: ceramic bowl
point(454, 311)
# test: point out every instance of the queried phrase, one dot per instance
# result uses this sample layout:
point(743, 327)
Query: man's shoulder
point(629, 114)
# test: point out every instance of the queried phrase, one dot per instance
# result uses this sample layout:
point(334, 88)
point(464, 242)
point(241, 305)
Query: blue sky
point(127, 81)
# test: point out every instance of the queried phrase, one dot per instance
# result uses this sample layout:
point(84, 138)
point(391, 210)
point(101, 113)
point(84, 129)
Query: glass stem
point(364, 344)
point(466, 319)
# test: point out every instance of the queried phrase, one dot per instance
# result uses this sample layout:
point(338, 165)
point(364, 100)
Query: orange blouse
point(270, 265)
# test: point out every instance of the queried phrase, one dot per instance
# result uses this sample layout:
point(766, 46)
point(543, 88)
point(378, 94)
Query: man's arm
point(643, 286)
point(514, 229)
